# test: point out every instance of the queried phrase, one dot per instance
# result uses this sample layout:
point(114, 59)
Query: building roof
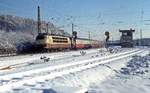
point(131, 30)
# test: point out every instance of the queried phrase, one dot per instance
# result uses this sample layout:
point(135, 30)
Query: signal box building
point(126, 39)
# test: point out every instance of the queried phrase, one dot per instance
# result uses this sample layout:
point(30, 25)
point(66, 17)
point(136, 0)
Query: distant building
point(126, 39)
point(145, 42)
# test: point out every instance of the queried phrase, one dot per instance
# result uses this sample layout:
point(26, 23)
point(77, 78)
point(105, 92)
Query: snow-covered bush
point(138, 65)
point(14, 40)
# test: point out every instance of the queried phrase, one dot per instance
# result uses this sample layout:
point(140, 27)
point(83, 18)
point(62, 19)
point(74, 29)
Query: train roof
point(86, 39)
point(52, 34)
point(66, 36)
point(131, 30)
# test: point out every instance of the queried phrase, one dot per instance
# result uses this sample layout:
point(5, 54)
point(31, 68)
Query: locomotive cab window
point(39, 37)
point(60, 40)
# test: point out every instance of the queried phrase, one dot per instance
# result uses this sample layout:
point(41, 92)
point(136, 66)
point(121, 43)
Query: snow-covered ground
point(93, 70)
point(32, 57)
point(133, 78)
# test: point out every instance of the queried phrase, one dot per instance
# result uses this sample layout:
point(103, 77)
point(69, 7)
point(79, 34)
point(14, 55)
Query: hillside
point(15, 31)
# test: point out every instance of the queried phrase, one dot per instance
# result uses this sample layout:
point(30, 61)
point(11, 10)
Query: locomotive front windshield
point(40, 37)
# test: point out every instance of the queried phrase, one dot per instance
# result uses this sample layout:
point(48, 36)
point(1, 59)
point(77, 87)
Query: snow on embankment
point(138, 65)
point(134, 78)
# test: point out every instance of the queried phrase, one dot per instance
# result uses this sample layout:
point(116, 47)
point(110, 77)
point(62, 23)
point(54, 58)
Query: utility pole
point(112, 39)
point(5, 23)
point(39, 21)
point(141, 37)
point(89, 35)
point(74, 37)
point(47, 28)
point(72, 28)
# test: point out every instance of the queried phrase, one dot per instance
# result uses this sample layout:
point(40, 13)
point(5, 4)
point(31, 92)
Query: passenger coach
point(55, 42)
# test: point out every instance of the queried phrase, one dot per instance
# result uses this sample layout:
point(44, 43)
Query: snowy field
point(133, 78)
point(92, 71)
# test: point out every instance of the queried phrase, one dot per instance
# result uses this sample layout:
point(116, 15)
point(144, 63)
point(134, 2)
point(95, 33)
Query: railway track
point(15, 80)
point(28, 60)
